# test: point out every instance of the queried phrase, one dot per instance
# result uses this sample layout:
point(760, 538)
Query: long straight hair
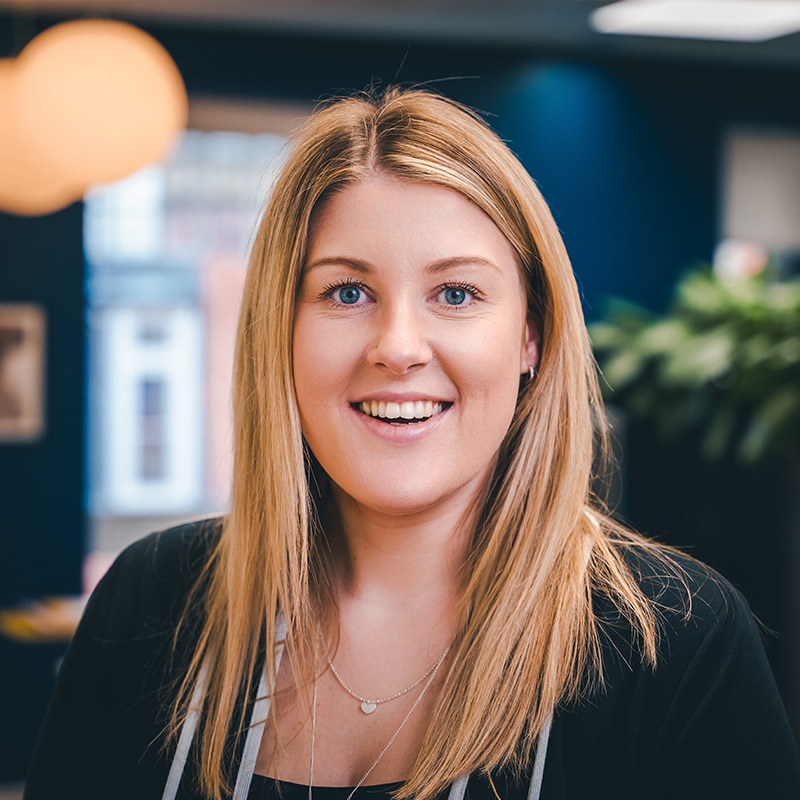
point(541, 550)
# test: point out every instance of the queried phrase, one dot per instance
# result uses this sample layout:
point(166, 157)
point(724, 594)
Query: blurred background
point(667, 146)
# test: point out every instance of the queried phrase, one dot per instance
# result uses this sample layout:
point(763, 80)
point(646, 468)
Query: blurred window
point(152, 433)
point(166, 250)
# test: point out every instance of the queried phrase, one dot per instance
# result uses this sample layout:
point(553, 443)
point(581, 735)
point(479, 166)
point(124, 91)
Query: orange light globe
point(98, 99)
point(29, 185)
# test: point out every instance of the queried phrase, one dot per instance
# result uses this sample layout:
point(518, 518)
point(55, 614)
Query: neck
point(408, 558)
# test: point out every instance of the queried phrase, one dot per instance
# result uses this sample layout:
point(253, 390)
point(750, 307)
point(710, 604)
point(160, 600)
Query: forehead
point(391, 216)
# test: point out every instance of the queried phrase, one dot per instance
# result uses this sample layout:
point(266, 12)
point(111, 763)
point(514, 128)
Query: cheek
point(489, 387)
point(308, 352)
point(490, 359)
point(323, 360)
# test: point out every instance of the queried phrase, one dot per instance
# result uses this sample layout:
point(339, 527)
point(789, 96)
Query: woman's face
point(410, 336)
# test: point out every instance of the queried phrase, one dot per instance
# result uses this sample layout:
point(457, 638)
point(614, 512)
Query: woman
point(413, 592)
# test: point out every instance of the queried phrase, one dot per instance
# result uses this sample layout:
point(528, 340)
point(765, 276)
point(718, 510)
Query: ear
point(531, 346)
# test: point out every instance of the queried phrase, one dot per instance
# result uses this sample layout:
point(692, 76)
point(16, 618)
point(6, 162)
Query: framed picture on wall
point(22, 358)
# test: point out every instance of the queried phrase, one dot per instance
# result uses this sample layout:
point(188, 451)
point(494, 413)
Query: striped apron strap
point(258, 718)
point(535, 789)
point(459, 787)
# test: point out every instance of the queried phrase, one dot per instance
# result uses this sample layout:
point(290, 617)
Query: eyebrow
point(445, 264)
point(435, 267)
point(339, 261)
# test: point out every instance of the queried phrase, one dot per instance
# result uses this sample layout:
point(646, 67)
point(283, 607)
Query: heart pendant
point(368, 708)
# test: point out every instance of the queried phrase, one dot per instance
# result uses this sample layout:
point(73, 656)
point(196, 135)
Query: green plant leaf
point(769, 420)
point(607, 336)
point(662, 337)
point(725, 357)
point(700, 359)
point(623, 368)
point(788, 351)
point(718, 437)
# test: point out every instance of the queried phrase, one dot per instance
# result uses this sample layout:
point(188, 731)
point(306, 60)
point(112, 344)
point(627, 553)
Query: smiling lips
point(409, 411)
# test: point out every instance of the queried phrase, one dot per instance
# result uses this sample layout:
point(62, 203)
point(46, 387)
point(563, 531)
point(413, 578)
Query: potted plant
point(723, 364)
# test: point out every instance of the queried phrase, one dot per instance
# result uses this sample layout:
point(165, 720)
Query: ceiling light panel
point(731, 20)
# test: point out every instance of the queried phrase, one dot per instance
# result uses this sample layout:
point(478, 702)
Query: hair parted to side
point(540, 551)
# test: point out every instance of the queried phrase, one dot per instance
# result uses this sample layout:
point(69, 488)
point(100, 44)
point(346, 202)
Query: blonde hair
point(541, 551)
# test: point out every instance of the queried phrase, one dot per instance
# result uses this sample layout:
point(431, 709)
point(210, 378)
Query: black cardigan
point(707, 723)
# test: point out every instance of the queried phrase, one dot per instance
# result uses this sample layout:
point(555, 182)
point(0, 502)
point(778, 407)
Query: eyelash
point(328, 291)
point(467, 287)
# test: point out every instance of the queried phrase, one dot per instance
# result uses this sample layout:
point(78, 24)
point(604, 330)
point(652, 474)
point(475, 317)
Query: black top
point(263, 788)
point(707, 723)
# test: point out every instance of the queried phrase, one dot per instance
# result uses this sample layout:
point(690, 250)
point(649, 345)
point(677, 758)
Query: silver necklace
point(431, 675)
point(368, 706)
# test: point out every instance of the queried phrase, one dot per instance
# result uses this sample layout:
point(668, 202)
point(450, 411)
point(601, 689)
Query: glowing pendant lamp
point(28, 185)
point(90, 101)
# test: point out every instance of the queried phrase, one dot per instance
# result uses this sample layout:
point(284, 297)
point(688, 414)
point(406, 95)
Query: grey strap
point(257, 720)
point(255, 731)
point(185, 739)
point(458, 788)
point(538, 762)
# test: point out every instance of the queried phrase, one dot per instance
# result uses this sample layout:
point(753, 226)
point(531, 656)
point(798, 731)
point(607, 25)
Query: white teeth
point(419, 409)
point(408, 410)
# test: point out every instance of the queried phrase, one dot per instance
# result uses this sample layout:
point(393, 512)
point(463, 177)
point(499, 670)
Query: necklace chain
point(430, 675)
point(369, 705)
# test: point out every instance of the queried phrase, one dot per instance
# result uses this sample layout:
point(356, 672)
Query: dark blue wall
point(42, 483)
point(630, 205)
point(41, 261)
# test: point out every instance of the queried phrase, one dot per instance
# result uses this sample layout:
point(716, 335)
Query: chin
point(393, 503)
point(412, 500)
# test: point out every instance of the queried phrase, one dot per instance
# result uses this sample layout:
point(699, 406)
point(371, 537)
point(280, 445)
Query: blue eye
point(348, 295)
point(348, 292)
point(458, 295)
point(455, 296)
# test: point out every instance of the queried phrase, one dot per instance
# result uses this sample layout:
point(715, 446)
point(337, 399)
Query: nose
point(401, 343)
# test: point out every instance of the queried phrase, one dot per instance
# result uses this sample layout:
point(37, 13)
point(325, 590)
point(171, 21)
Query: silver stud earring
point(531, 372)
